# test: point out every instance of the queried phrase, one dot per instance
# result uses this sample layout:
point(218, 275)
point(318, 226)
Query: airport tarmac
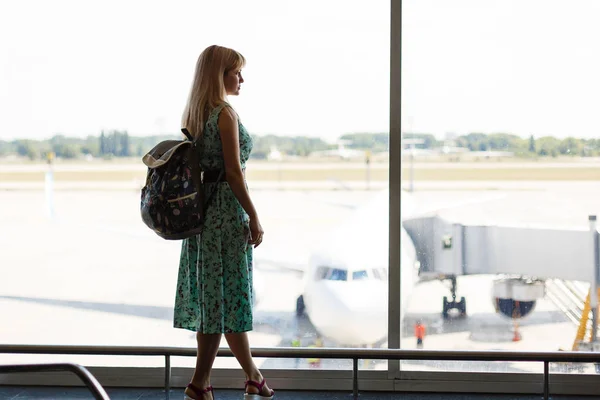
point(94, 274)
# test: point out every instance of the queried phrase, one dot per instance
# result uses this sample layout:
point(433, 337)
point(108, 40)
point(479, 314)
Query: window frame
point(394, 379)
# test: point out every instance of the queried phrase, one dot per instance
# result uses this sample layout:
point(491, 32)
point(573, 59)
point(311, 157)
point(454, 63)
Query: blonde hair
point(208, 87)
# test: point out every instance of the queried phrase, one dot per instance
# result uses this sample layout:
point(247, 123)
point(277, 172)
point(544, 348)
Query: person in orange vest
point(420, 333)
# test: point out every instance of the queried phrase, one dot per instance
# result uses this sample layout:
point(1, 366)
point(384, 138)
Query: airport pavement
point(93, 274)
point(137, 184)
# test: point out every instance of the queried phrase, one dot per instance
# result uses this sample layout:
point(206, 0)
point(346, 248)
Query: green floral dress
point(214, 285)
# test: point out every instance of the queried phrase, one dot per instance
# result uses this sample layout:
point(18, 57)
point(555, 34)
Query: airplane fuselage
point(346, 285)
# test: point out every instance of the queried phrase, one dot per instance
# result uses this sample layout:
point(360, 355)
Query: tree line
point(107, 145)
point(521, 147)
point(115, 143)
point(111, 144)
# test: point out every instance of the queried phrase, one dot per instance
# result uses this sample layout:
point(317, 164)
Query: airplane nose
point(364, 313)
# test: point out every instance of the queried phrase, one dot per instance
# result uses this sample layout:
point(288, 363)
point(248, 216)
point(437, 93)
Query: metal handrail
point(313, 352)
point(331, 353)
point(88, 379)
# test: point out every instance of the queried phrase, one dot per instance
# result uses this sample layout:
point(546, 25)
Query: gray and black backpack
point(173, 201)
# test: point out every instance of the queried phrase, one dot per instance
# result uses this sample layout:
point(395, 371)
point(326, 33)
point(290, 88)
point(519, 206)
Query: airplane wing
point(413, 206)
point(267, 263)
point(370, 217)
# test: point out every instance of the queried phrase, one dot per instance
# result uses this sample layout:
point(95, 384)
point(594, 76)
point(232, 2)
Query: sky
point(314, 67)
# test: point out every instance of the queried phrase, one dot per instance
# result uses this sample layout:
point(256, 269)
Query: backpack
point(173, 200)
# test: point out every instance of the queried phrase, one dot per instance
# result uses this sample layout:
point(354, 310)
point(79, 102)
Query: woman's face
point(233, 79)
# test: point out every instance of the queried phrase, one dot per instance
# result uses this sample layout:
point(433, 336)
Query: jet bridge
point(446, 250)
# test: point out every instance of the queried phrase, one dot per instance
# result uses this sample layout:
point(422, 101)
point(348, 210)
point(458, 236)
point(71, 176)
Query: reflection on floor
point(26, 393)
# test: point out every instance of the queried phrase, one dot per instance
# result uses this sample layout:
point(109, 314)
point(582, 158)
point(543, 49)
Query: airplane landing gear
point(300, 307)
point(460, 306)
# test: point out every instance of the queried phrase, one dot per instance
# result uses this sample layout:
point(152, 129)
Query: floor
point(48, 393)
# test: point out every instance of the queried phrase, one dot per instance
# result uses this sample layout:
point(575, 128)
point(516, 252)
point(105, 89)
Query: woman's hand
point(256, 232)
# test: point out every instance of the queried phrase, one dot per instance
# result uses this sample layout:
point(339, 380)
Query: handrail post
point(167, 376)
point(86, 376)
point(546, 379)
point(355, 378)
point(594, 281)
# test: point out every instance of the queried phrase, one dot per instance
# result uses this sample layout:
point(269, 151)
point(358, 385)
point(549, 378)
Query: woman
point(214, 287)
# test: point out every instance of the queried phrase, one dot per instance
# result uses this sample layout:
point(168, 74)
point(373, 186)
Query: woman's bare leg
point(208, 345)
point(240, 347)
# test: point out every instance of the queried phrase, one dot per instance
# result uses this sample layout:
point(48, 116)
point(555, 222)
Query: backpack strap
point(214, 114)
point(197, 171)
point(187, 134)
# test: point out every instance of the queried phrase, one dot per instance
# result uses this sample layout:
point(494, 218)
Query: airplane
point(340, 152)
point(346, 282)
point(345, 293)
point(274, 154)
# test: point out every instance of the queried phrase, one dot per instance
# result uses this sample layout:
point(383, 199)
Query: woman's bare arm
point(228, 126)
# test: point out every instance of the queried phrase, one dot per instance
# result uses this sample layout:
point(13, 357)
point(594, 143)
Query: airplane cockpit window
point(338, 275)
point(331, 274)
point(360, 275)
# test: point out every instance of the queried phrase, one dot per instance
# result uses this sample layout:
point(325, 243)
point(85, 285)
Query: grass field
point(331, 171)
point(507, 174)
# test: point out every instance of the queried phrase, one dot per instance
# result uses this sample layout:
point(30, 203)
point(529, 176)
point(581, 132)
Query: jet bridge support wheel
point(460, 306)
point(300, 307)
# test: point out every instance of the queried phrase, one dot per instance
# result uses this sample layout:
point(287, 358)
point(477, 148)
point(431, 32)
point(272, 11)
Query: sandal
point(257, 396)
point(198, 392)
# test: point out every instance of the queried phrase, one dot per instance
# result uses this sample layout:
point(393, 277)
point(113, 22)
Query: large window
point(98, 85)
point(498, 159)
point(500, 145)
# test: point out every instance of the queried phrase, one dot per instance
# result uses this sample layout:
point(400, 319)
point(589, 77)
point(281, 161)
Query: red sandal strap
point(198, 391)
point(259, 386)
